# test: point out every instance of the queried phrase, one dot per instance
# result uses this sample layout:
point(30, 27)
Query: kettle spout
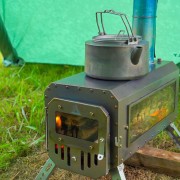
point(136, 54)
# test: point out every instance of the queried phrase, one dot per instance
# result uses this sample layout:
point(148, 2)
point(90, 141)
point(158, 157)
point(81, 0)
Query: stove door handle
point(101, 149)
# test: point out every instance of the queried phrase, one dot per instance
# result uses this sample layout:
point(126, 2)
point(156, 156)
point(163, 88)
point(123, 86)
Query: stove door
point(78, 137)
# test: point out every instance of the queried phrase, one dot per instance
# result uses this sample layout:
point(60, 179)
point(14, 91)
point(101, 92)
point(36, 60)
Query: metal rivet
point(46, 107)
point(126, 127)
point(159, 60)
point(120, 137)
point(49, 167)
point(59, 139)
point(112, 97)
point(91, 114)
point(122, 160)
point(104, 92)
point(67, 87)
point(115, 106)
point(90, 147)
point(59, 107)
point(74, 158)
point(101, 139)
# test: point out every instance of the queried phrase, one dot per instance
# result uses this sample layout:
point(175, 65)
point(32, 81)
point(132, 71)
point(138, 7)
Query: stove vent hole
point(82, 160)
point(68, 156)
point(62, 152)
point(95, 160)
point(89, 160)
point(56, 148)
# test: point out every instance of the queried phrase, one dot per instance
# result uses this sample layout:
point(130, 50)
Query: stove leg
point(174, 133)
point(118, 173)
point(46, 170)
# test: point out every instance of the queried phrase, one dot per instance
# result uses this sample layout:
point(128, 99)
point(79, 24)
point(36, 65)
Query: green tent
point(54, 31)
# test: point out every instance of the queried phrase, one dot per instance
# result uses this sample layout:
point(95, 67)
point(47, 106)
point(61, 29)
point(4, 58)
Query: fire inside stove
point(77, 126)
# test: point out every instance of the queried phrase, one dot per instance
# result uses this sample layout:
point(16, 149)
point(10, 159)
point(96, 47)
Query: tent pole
point(9, 53)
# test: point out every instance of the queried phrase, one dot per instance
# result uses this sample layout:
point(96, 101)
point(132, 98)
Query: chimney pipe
point(144, 23)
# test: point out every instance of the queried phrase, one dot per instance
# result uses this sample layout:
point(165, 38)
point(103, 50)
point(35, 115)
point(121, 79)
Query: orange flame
point(58, 121)
point(56, 146)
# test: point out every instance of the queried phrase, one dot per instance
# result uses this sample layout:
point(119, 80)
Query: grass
point(21, 107)
point(22, 125)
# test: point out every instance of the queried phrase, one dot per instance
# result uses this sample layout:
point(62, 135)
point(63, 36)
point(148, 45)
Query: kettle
point(116, 56)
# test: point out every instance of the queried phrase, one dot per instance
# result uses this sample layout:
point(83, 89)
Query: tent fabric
point(55, 31)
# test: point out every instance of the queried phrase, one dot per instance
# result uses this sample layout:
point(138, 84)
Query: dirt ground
point(26, 168)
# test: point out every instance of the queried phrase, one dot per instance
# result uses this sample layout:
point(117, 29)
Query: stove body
point(95, 125)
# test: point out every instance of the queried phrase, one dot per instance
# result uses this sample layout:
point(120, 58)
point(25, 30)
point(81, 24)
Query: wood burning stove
point(94, 124)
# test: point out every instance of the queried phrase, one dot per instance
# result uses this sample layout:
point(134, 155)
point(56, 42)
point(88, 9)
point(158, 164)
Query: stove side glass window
point(151, 110)
point(76, 126)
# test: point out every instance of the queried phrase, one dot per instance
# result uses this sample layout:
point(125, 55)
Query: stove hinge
point(118, 141)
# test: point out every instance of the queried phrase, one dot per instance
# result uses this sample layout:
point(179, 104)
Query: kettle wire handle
point(123, 18)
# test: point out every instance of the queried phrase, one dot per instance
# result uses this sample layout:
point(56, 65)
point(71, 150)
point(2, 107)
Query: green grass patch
point(22, 107)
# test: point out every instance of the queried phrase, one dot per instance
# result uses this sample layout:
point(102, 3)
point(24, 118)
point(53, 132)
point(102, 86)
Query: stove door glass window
point(148, 112)
point(76, 126)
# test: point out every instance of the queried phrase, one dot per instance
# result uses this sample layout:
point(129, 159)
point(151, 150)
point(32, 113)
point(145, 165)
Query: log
point(157, 160)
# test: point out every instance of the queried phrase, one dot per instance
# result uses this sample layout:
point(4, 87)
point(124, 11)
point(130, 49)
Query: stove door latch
point(101, 149)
